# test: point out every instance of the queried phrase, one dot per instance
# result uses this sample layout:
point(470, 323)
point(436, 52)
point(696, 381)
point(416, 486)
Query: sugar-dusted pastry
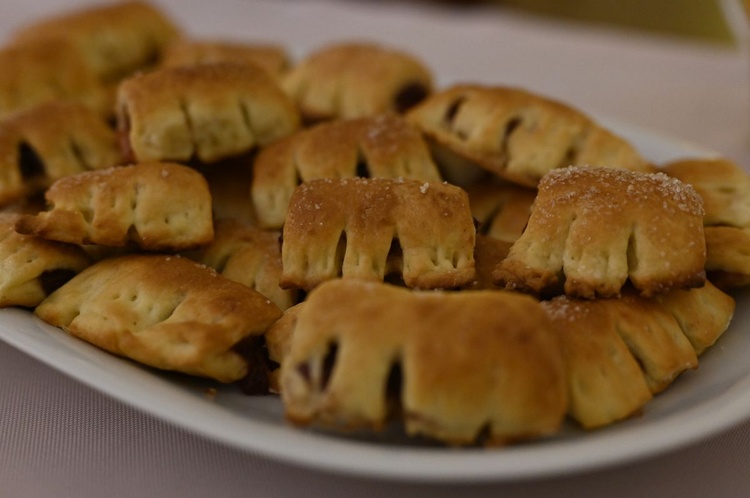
point(163, 311)
point(186, 52)
point(620, 352)
point(31, 268)
point(370, 228)
point(502, 210)
point(592, 229)
point(515, 134)
point(155, 206)
point(722, 184)
point(207, 112)
point(248, 255)
point(40, 71)
point(725, 189)
point(351, 79)
point(50, 141)
point(114, 40)
point(383, 146)
point(458, 367)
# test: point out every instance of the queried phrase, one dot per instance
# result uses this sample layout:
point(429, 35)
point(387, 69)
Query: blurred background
point(703, 20)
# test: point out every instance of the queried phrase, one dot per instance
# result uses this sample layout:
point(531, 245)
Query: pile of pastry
point(477, 263)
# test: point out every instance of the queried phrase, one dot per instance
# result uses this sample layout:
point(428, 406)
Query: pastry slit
point(29, 162)
point(78, 154)
point(452, 111)
point(329, 363)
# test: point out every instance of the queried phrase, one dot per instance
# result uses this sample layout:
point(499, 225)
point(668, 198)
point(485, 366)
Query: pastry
point(37, 72)
point(620, 352)
point(592, 229)
point(50, 141)
point(163, 311)
point(370, 228)
point(272, 58)
point(379, 146)
point(154, 206)
point(488, 253)
point(723, 186)
point(351, 80)
point(458, 367)
point(207, 112)
point(228, 182)
point(279, 341)
point(515, 134)
point(502, 210)
point(250, 256)
point(727, 256)
point(114, 40)
point(32, 268)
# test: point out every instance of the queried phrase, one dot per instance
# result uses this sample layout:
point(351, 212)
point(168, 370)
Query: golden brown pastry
point(515, 134)
point(722, 184)
point(488, 253)
point(155, 206)
point(114, 40)
point(250, 256)
point(370, 228)
point(272, 58)
point(456, 367)
point(163, 311)
point(502, 210)
point(50, 141)
point(592, 229)
point(725, 189)
point(619, 352)
point(41, 71)
point(380, 146)
point(32, 268)
point(351, 80)
point(279, 341)
point(207, 112)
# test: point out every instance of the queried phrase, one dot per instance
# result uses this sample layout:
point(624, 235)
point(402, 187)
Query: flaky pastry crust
point(453, 366)
point(163, 311)
point(515, 134)
point(206, 112)
point(382, 146)
point(592, 229)
point(190, 52)
point(351, 80)
point(368, 229)
point(155, 206)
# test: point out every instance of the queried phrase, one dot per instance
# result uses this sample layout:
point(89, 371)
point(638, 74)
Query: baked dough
point(114, 40)
point(228, 181)
point(722, 184)
point(250, 256)
point(515, 134)
point(369, 228)
point(50, 141)
point(40, 71)
point(594, 228)
point(351, 80)
point(728, 256)
point(380, 146)
point(155, 206)
point(206, 112)
point(488, 253)
point(31, 268)
point(272, 58)
point(620, 352)
point(457, 367)
point(163, 311)
point(502, 210)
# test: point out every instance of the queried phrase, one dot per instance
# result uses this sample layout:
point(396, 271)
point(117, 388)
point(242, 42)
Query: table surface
point(61, 438)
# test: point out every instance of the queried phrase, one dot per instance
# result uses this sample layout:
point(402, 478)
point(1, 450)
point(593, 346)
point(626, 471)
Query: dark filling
point(409, 96)
point(328, 363)
point(259, 366)
point(452, 111)
point(393, 391)
point(29, 162)
point(362, 170)
point(52, 280)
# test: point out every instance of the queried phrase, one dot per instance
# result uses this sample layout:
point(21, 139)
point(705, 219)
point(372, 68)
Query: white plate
point(698, 404)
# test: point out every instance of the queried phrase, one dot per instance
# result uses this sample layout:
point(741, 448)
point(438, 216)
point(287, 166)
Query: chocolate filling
point(409, 96)
point(329, 361)
point(29, 162)
point(51, 280)
point(259, 366)
point(362, 170)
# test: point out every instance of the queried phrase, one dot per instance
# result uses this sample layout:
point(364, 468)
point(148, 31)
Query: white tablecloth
point(60, 438)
